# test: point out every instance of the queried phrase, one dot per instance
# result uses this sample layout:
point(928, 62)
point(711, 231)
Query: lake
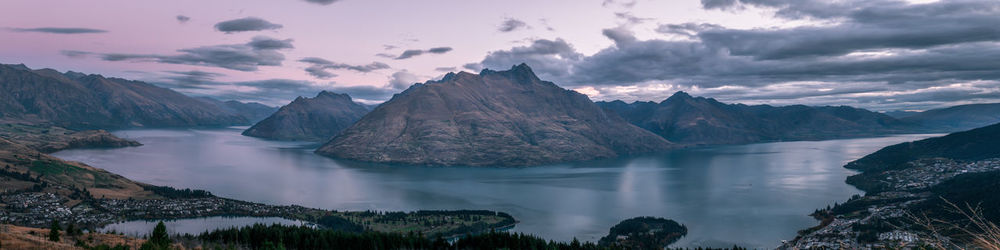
point(754, 195)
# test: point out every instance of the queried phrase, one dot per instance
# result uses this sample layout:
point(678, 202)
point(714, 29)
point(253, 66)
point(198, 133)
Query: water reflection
point(754, 195)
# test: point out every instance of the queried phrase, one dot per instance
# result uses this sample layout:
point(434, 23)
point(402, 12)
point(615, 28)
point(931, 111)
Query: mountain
point(900, 114)
point(698, 120)
point(957, 118)
point(977, 144)
point(310, 119)
point(74, 100)
point(495, 118)
point(252, 111)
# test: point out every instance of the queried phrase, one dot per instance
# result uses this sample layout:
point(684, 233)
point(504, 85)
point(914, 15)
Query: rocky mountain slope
point(74, 100)
point(495, 118)
point(698, 120)
point(310, 119)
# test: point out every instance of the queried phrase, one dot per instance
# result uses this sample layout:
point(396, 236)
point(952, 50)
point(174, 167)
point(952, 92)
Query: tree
point(158, 239)
point(54, 231)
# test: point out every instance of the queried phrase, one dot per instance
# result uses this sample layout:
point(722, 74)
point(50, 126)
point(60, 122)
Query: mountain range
point(494, 118)
point(682, 118)
point(956, 118)
point(252, 111)
point(76, 100)
point(310, 119)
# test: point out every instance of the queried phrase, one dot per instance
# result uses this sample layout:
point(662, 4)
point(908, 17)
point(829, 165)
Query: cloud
point(402, 80)
point(246, 24)
point(59, 30)
point(631, 19)
point(322, 2)
point(551, 59)
point(410, 53)
point(620, 35)
point(75, 53)
point(511, 24)
point(267, 43)
point(261, 51)
point(193, 79)
point(870, 54)
point(446, 69)
point(688, 30)
point(319, 66)
point(183, 18)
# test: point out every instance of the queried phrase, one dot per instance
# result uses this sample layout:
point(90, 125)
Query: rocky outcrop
point(310, 119)
point(495, 118)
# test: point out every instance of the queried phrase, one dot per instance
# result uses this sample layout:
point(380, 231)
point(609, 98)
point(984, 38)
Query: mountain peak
point(333, 94)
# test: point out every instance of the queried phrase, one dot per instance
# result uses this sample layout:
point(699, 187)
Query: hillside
point(310, 119)
point(698, 120)
point(957, 118)
point(972, 145)
point(495, 118)
point(78, 101)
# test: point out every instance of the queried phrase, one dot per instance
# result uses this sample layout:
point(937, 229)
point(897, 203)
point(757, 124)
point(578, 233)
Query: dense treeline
point(300, 237)
point(173, 193)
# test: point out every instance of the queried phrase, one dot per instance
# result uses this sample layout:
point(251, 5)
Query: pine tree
point(54, 231)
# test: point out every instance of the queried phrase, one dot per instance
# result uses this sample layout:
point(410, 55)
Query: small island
point(644, 233)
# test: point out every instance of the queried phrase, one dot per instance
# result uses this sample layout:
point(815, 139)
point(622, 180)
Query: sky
point(877, 54)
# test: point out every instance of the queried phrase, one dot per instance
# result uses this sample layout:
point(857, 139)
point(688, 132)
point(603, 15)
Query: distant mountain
point(957, 118)
point(899, 114)
point(310, 119)
point(698, 120)
point(977, 144)
point(252, 111)
point(76, 100)
point(495, 118)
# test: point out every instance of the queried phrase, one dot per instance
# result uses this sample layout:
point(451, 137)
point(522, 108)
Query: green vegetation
point(158, 239)
point(173, 193)
point(54, 231)
point(51, 168)
point(644, 233)
point(299, 237)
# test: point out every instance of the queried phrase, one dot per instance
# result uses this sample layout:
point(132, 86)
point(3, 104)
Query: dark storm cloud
point(319, 67)
point(246, 24)
point(322, 2)
point(261, 51)
point(410, 53)
point(183, 18)
point(59, 30)
point(511, 24)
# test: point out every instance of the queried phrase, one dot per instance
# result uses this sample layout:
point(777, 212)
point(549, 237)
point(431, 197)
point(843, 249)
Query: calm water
point(194, 226)
point(754, 195)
